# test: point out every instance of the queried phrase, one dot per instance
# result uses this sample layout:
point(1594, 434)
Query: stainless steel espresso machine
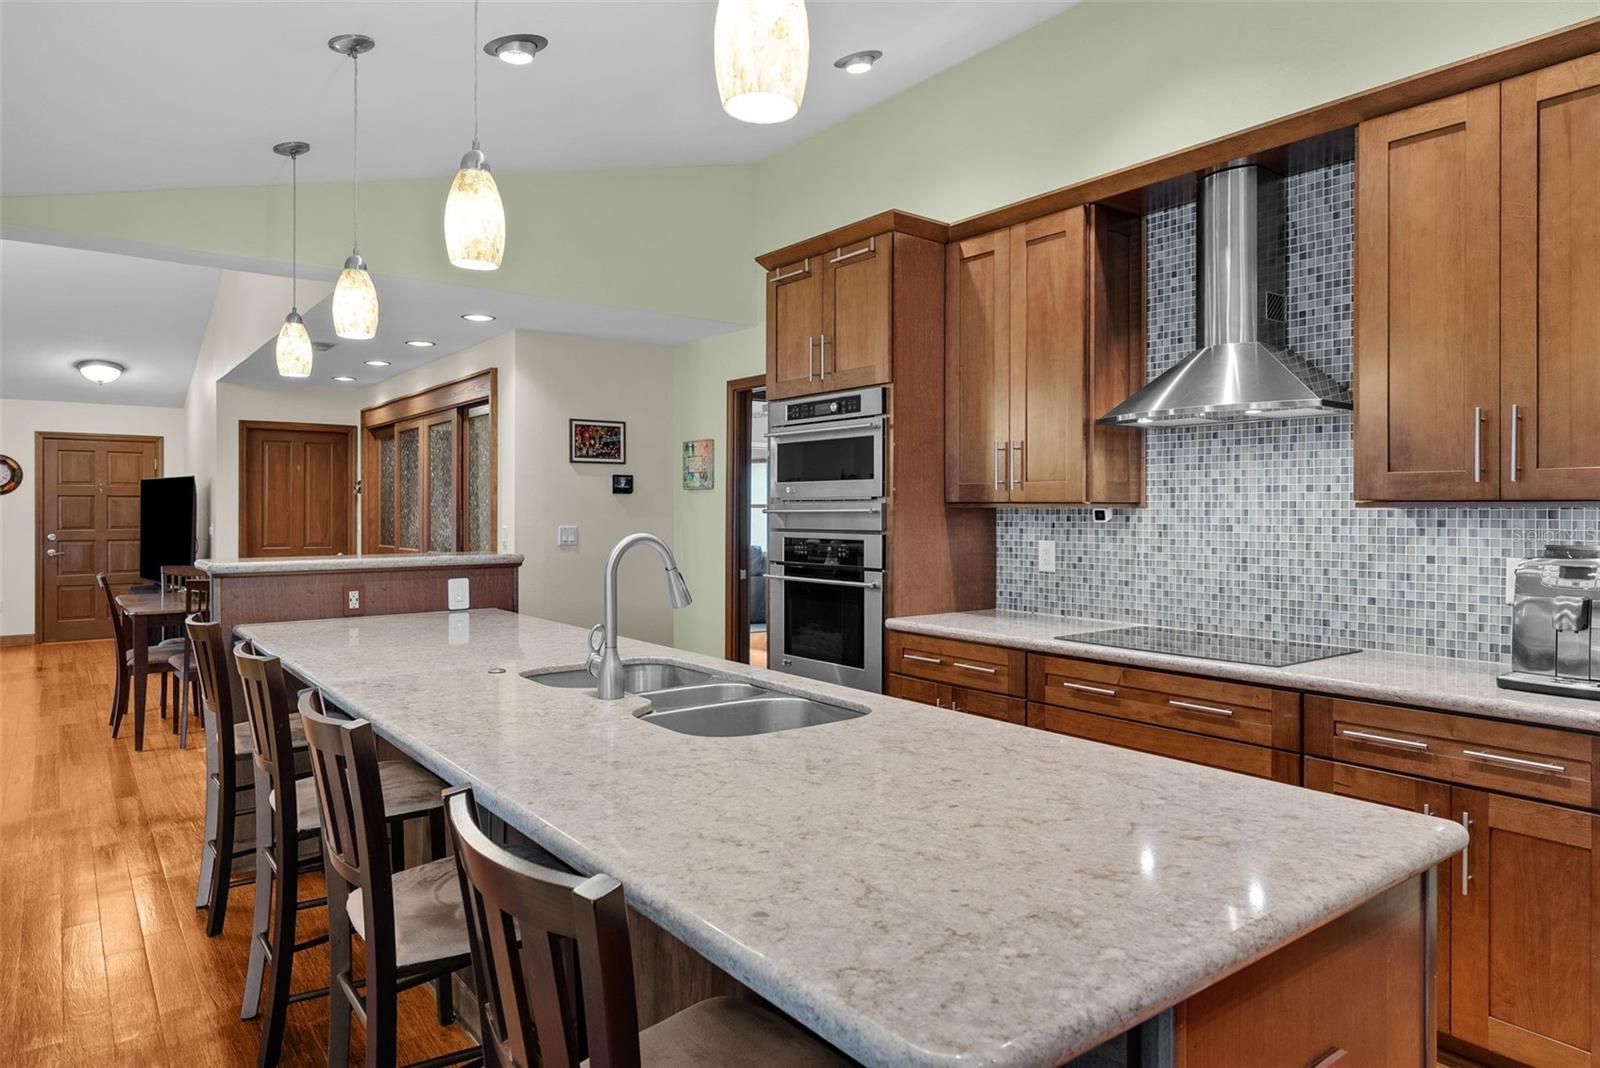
point(1553, 648)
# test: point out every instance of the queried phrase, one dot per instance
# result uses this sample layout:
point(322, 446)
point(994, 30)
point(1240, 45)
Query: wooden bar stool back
point(224, 781)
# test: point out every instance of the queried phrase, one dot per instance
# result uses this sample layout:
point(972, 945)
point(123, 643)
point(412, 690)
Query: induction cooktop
point(1265, 652)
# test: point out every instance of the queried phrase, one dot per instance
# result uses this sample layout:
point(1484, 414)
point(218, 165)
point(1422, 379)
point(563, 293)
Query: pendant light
point(355, 300)
point(294, 344)
point(474, 217)
point(761, 50)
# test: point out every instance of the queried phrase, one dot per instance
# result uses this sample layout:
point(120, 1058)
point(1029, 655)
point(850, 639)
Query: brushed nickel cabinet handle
point(1477, 444)
point(1466, 853)
point(872, 246)
point(779, 276)
point(1384, 739)
point(975, 667)
point(1516, 418)
point(1015, 466)
point(1103, 691)
point(1515, 762)
point(999, 448)
point(822, 355)
point(921, 659)
point(1192, 707)
point(811, 344)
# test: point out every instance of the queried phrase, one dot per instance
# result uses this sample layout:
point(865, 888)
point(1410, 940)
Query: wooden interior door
point(977, 367)
point(87, 521)
point(1427, 318)
point(296, 489)
point(1047, 413)
point(854, 349)
point(1524, 952)
point(794, 323)
point(1550, 282)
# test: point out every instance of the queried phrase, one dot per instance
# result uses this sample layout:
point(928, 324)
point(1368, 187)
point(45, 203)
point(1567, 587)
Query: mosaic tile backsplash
point(1250, 528)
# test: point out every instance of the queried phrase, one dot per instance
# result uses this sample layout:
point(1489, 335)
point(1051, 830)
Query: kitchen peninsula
point(920, 887)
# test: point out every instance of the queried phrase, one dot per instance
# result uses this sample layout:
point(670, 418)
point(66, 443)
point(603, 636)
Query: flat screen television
point(166, 524)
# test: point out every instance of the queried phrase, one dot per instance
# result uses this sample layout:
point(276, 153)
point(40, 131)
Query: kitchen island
point(917, 887)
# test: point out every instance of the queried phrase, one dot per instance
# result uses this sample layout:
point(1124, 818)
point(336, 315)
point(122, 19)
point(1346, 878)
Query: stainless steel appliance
point(826, 448)
point(826, 605)
point(1234, 648)
point(1553, 649)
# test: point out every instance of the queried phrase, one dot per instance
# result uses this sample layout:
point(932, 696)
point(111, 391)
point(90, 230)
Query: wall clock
point(12, 473)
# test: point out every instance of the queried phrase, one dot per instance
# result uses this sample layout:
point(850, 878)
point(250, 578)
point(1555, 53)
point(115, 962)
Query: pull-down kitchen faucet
point(604, 663)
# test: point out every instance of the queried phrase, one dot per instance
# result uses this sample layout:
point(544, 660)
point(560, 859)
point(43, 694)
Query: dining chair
point(410, 922)
point(181, 664)
point(122, 639)
point(556, 973)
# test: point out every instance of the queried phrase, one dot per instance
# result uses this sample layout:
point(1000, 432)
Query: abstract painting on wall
point(697, 464)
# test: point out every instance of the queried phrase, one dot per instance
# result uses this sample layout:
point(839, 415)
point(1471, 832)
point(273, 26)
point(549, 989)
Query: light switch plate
point(459, 594)
point(1047, 556)
point(567, 537)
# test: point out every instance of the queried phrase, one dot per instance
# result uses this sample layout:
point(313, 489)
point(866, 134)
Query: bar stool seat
point(407, 791)
point(726, 1032)
point(430, 923)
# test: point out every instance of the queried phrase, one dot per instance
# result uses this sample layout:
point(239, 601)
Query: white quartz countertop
point(919, 887)
point(1433, 682)
point(280, 565)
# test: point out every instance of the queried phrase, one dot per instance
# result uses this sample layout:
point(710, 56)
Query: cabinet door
point(1047, 412)
point(1523, 961)
point(1427, 319)
point(1418, 795)
point(794, 324)
point(854, 348)
point(919, 690)
point(977, 368)
point(1115, 355)
point(1550, 282)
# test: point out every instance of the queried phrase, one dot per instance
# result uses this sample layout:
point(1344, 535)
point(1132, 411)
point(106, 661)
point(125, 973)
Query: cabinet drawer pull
point(778, 276)
point(1384, 739)
point(975, 667)
point(1101, 690)
point(1328, 1059)
point(839, 255)
point(1191, 706)
point(1515, 762)
point(921, 659)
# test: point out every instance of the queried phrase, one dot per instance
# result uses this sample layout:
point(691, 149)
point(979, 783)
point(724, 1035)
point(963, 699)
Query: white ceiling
point(61, 305)
point(150, 95)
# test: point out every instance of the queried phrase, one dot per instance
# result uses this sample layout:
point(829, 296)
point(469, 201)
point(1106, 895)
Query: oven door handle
point(825, 582)
point(826, 428)
point(870, 510)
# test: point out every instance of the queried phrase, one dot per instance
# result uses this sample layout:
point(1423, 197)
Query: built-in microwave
point(826, 448)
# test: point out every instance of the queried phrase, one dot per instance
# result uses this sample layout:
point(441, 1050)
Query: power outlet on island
point(459, 594)
point(354, 604)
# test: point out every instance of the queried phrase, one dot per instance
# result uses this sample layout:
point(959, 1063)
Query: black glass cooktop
point(1266, 652)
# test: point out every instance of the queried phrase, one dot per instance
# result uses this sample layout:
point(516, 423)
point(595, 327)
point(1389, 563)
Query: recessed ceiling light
point(100, 371)
point(517, 49)
point(478, 317)
point(377, 363)
point(343, 378)
point(418, 343)
point(858, 62)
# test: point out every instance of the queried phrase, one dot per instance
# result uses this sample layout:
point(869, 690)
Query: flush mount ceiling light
point(99, 371)
point(478, 317)
point(343, 378)
point(761, 50)
point(858, 62)
point(355, 299)
point(418, 343)
point(294, 344)
point(377, 363)
point(517, 49)
point(474, 217)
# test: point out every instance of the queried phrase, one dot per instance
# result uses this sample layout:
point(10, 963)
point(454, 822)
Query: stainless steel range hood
point(1243, 369)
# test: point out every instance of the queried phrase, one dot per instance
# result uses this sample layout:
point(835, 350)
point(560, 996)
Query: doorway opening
point(745, 626)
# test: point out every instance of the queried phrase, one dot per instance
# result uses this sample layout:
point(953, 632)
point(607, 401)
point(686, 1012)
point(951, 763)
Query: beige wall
point(19, 419)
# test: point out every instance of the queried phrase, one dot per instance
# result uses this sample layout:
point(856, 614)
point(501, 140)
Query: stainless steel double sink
point(696, 702)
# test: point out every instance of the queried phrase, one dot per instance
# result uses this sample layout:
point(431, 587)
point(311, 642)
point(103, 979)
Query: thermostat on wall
point(621, 483)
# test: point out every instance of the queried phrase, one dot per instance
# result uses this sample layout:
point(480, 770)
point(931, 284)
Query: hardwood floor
point(103, 958)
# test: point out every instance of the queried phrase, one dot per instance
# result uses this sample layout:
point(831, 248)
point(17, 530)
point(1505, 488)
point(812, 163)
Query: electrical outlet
point(567, 537)
point(1047, 556)
point(353, 601)
point(459, 594)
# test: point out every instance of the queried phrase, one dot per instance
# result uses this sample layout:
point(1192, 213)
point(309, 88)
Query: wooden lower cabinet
point(1162, 741)
point(959, 699)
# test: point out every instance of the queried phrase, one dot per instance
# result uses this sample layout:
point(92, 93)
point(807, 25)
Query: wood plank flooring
point(103, 958)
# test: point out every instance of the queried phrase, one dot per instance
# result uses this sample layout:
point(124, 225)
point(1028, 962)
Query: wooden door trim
point(39, 438)
point(349, 431)
point(738, 496)
point(476, 388)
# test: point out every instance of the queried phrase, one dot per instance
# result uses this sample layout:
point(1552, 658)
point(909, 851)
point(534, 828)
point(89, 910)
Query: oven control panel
point(800, 411)
point(829, 552)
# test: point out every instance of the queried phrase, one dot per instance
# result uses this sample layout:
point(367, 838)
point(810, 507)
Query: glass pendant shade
point(761, 50)
point(355, 302)
point(474, 217)
point(294, 348)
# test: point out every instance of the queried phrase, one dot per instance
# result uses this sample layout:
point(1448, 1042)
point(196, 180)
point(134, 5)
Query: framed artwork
point(697, 464)
point(596, 441)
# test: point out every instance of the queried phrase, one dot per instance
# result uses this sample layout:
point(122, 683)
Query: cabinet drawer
point(989, 705)
point(1257, 715)
point(965, 664)
point(910, 689)
point(1254, 760)
point(1511, 758)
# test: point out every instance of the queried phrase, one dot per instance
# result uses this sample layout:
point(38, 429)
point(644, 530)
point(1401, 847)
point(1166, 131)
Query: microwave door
point(841, 462)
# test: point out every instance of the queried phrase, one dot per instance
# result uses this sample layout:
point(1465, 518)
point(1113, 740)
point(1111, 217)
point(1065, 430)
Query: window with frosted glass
point(386, 491)
point(479, 537)
point(410, 449)
point(441, 488)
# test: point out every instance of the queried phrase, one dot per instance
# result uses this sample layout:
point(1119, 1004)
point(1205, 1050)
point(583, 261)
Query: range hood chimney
point(1243, 368)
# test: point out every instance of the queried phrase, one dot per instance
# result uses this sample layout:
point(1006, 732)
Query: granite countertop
point(279, 565)
point(1433, 682)
point(917, 886)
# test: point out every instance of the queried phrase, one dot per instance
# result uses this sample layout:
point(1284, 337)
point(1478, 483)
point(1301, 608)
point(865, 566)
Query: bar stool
point(195, 593)
point(411, 924)
point(286, 816)
point(530, 923)
point(123, 641)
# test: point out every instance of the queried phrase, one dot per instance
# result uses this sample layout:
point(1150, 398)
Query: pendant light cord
point(474, 73)
point(355, 153)
point(294, 232)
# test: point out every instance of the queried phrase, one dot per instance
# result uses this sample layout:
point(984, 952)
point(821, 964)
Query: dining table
point(147, 610)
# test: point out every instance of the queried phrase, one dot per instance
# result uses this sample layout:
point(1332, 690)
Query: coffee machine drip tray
point(1234, 648)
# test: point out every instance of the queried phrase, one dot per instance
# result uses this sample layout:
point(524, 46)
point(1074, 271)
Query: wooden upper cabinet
point(794, 323)
point(1550, 282)
point(1044, 332)
point(854, 349)
point(1427, 316)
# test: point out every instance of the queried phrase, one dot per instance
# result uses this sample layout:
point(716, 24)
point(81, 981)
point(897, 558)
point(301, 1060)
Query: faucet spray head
point(677, 589)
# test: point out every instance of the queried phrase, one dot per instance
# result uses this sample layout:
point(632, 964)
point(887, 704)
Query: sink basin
point(710, 693)
point(754, 715)
point(637, 678)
